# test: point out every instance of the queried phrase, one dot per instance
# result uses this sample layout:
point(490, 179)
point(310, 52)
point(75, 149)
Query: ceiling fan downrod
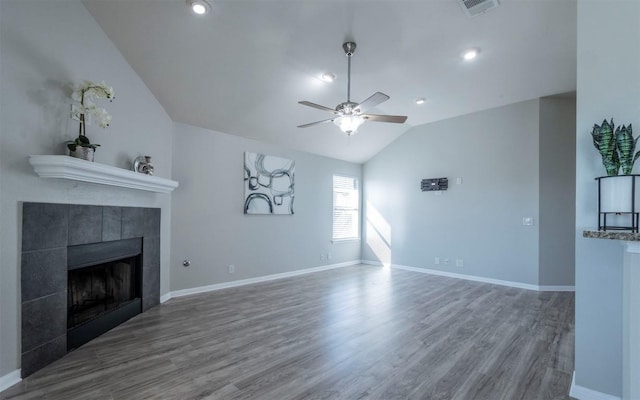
point(349, 49)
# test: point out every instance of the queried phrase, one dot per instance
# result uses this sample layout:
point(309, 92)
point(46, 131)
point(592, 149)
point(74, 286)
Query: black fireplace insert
point(103, 288)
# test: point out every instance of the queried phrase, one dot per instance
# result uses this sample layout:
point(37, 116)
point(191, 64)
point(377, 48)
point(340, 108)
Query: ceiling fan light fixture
point(328, 77)
point(199, 7)
point(349, 124)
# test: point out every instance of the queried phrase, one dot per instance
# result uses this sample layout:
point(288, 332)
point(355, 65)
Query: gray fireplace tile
point(43, 355)
point(132, 222)
point(111, 223)
point(44, 226)
point(85, 224)
point(43, 320)
point(43, 272)
point(151, 222)
point(149, 302)
point(150, 272)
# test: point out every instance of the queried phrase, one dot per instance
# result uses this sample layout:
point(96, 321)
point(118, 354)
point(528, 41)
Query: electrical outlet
point(459, 262)
point(527, 221)
point(321, 256)
point(329, 256)
point(436, 261)
point(446, 261)
point(232, 268)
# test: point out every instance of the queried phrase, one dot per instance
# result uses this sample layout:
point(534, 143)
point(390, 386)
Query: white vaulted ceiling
point(242, 68)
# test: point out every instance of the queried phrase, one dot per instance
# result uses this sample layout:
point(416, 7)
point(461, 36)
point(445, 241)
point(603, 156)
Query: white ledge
point(67, 167)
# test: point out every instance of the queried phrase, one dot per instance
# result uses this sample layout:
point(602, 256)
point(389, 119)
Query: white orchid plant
point(84, 108)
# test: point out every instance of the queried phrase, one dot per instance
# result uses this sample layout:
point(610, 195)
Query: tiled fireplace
point(84, 270)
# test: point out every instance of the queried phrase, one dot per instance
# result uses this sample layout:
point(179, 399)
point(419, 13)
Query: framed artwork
point(268, 184)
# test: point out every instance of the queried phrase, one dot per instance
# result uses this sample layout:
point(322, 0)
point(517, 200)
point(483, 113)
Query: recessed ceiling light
point(470, 54)
point(199, 7)
point(328, 77)
point(420, 101)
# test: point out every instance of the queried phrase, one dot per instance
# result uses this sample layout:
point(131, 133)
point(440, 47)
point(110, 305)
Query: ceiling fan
point(349, 115)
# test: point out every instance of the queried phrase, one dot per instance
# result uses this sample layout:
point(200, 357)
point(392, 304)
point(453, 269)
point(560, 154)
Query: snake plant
point(626, 145)
point(616, 147)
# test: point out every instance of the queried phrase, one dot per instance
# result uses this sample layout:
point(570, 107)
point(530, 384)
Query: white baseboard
point(582, 393)
point(547, 288)
point(467, 277)
point(165, 297)
point(478, 278)
point(369, 262)
point(9, 379)
point(242, 282)
point(203, 289)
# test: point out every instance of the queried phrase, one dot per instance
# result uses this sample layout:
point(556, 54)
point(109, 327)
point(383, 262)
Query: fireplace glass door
point(104, 287)
point(95, 290)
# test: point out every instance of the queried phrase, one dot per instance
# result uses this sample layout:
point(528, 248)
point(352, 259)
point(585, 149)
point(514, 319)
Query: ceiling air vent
point(475, 7)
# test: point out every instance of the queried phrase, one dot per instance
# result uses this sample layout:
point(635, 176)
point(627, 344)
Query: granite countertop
point(613, 235)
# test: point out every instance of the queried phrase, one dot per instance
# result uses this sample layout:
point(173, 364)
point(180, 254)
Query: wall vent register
point(477, 7)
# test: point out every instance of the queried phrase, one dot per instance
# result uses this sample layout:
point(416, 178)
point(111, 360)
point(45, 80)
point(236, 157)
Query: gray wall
point(557, 191)
point(46, 46)
point(495, 152)
point(608, 86)
point(208, 222)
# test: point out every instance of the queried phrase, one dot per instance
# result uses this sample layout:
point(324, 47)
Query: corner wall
point(514, 162)
point(208, 221)
point(47, 45)
point(557, 191)
point(495, 153)
point(608, 86)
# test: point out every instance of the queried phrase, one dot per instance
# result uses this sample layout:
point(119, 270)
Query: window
point(346, 208)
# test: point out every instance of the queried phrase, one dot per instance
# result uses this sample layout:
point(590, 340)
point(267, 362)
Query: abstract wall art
point(268, 184)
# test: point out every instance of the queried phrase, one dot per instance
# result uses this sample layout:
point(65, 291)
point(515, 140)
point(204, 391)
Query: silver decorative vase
point(148, 167)
point(84, 153)
point(143, 165)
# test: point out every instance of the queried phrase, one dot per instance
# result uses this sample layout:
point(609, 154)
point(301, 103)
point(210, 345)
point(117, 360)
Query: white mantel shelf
point(66, 167)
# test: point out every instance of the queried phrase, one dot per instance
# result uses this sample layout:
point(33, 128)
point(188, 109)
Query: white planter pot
point(619, 203)
point(616, 194)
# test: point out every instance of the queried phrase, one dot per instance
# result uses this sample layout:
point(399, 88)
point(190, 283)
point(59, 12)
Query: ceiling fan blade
point(315, 123)
point(371, 102)
point(318, 106)
point(398, 119)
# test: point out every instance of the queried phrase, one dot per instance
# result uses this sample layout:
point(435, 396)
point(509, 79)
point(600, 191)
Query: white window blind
point(346, 208)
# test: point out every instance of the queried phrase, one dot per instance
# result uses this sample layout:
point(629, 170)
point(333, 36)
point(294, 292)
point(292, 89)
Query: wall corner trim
point(582, 393)
point(9, 379)
point(165, 297)
point(259, 279)
point(478, 278)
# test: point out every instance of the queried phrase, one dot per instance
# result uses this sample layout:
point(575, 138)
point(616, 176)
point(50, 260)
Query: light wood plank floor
point(359, 332)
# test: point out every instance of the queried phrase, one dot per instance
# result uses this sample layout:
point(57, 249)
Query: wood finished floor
point(358, 332)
